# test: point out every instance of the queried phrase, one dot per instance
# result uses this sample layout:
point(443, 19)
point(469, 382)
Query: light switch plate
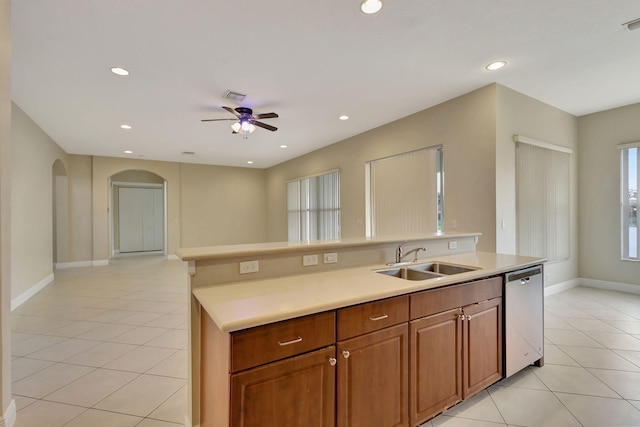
point(453, 244)
point(331, 258)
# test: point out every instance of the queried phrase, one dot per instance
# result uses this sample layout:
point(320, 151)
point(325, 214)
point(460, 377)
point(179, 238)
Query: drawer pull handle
point(384, 316)
point(297, 340)
point(346, 354)
point(333, 361)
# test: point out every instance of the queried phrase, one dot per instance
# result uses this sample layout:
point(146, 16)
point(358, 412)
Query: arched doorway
point(60, 213)
point(138, 213)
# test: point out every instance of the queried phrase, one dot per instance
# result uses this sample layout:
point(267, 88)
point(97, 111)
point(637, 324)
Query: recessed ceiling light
point(125, 126)
point(119, 71)
point(128, 152)
point(344, 117)
point(371, 6)
point(250, 162)
point(283, 146)
point(496, 65)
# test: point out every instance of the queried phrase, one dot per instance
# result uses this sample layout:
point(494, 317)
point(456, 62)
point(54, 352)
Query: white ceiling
point(309, 61)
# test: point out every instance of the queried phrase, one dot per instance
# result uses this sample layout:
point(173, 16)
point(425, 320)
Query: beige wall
point(79, 171)
point(518, 114)
point(103, 169)
point(5, 211)
point(33, 157)
point(222, 205)
point(599, 178)
point(465, 126)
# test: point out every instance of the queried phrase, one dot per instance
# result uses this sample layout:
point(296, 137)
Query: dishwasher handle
point(524, 275)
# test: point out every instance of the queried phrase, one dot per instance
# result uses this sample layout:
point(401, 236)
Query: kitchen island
point(336, 346)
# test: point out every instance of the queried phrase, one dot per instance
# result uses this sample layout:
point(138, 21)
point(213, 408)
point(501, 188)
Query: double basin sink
point(426, 271)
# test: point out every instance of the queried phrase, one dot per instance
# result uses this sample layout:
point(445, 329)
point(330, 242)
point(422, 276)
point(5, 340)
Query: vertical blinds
point(313, 206)
point(404, 193)
point(542, 199)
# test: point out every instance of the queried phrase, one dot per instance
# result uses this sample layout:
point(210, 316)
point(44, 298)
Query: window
point(542, 199)
point(630, 154)
point(313, 205)
point(405, 193)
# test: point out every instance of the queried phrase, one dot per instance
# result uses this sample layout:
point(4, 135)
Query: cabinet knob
point(461, 317)
point(346, 354)
point(333, 361)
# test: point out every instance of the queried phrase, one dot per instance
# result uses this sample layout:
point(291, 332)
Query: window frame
point(625, 201)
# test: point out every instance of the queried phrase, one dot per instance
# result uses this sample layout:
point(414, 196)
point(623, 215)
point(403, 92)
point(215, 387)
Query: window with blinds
point(313, 205)
point(405, 193)
point(542, 199)
point(629, 182)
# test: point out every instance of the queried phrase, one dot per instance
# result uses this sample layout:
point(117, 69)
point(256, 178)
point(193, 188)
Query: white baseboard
point(99, 262)
point(611, 286)
point(560, 287)
point(9, 417)
point(23, 297)
point(62, 265)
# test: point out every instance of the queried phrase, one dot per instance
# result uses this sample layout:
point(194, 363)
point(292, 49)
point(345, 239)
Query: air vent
point(188, 153)
point(234, 96)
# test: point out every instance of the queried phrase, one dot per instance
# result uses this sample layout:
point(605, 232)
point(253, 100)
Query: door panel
point(140, 219)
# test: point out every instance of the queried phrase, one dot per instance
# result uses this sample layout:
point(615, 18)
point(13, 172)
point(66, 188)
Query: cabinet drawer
point(438, 300)
point(372, 316)
point(264, 344)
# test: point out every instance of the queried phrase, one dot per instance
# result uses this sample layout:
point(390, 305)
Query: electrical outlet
point(453, 244)
point(331, 258)
point(308, 260)
point(454, 223)
point(249, 267)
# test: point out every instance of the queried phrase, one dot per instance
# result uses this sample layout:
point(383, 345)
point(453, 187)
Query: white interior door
point(140, 219)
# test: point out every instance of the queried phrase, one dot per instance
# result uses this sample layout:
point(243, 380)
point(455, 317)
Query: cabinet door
point(299, 391)
point(482, 356)
point(373, 379)
point(436, 364)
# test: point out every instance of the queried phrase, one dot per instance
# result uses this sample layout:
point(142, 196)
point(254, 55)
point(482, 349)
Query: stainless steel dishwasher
point(524, 317)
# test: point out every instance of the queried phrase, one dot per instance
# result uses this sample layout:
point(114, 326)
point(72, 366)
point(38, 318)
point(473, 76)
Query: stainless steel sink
point(443, 268)
point(425, 271)
point(409, 274)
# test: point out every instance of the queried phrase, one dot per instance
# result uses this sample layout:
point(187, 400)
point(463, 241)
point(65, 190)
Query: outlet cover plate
point(308, 260)
point(249, 267)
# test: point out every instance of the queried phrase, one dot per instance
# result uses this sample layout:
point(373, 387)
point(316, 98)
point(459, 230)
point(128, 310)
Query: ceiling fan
point(246, 120)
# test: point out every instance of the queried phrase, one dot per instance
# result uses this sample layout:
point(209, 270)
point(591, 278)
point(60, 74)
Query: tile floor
point(106, 346)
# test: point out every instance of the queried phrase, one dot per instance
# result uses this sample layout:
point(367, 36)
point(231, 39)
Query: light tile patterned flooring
point(106, 346)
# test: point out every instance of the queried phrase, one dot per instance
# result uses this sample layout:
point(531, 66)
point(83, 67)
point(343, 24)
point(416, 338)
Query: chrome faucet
point(399, 252)
point(416, 250)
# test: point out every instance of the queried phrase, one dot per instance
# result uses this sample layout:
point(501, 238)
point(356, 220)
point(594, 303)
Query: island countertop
point(250, 303)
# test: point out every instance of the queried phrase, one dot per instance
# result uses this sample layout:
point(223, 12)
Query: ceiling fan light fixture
point(371, 6)
point(632, 25)
point(236, 127)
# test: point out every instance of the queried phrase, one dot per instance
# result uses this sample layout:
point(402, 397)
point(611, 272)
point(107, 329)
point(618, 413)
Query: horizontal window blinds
point(404, 193)
point(542, 200)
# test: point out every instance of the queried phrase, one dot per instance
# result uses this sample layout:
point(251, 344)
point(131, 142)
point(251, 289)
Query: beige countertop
point(271, 248)
point(247, 304)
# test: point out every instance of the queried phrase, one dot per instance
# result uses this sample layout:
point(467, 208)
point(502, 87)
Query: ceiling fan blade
point(215, 120)
point(264, 125)
point(232, 111)
point(266, 116)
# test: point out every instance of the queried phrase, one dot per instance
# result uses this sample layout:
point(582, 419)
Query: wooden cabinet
point(482, 345)
point(436, 364)
point(298, 391)
point(388, 363)
point(456, 348)
point(373, 373)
